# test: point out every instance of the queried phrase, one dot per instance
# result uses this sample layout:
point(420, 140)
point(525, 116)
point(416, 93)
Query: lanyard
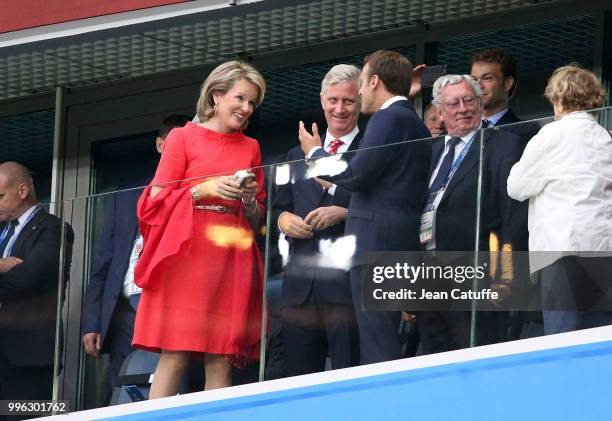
point(457, 162)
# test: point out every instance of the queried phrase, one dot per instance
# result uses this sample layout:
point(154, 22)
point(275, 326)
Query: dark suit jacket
point(387, 182)
point(524, 131)
point(300, 198)
point(29, 291)
point(455, 223)
point(111, 262)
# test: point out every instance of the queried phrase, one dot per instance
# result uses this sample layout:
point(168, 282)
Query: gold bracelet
point(196, 193)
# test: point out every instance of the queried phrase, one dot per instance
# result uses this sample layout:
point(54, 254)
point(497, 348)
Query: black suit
point(522, 320)
point(455, 228)
point(28, 304)
point(524, 131)
point(388, 184)
point(318, 315)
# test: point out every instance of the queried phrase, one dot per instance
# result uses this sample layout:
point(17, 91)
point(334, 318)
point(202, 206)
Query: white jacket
point(566, 173)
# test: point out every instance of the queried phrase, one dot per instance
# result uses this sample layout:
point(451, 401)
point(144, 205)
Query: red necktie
point(333, 146)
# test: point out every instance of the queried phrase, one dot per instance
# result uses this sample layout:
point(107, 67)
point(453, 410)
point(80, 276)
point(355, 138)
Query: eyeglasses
point(468, 101)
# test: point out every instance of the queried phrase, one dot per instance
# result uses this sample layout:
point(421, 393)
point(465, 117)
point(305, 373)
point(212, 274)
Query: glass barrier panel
point(355, 235)
point(544, 239)
point(363, 256)
point(190, 284)
point(502, 241)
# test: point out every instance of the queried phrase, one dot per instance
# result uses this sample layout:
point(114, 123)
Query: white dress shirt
point(392, 100)
point(496, 117)
point(566, 173)
point(431, 245)
point(458, 148)
point(347, 139)
point(129, 286)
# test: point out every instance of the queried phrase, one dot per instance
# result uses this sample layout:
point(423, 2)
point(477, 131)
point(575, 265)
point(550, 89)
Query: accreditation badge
point(428, 217)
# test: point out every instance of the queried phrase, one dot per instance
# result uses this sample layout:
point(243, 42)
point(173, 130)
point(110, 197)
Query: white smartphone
point(243, 177)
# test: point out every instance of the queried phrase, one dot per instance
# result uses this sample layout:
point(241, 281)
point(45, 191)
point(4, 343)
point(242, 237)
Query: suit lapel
point(437, 148)
point(508, 118)
point(30, 228)
point(353, 147)
point(469, 162)
point(346, 157)
point(133, 221)
point(298, 173)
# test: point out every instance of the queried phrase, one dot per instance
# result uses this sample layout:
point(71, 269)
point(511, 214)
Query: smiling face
point(494, 86)
point(341, 106)
point(460, 109)
point(235, 106)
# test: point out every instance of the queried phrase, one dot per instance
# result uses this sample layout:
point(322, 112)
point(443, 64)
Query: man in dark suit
point(112, 296)
point(30, 243)
point(317, 308)
point(449, 217)
point(495, 72)
point(387, 185)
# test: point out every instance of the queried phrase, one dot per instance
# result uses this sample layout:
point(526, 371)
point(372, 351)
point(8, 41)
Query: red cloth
point(201, 271)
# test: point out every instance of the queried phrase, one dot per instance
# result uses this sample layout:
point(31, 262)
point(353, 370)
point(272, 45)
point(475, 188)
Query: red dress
point(200, 270)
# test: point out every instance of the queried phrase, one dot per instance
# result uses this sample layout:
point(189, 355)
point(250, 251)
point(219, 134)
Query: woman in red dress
point(200, 270)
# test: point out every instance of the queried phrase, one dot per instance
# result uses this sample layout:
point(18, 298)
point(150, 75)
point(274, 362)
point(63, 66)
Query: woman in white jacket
point(566, 173)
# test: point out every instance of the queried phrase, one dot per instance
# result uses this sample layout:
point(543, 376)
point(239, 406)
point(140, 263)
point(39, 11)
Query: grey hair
point(447, 80)
point(338, 74)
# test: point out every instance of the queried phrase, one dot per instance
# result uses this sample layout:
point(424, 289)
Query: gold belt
point(216, 208)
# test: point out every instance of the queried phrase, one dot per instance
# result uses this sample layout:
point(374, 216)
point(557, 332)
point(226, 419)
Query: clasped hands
point(227, 188)
point(319, 219)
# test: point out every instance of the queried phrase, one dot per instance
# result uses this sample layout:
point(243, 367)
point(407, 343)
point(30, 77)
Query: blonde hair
point(221, 80)
point(575, 89)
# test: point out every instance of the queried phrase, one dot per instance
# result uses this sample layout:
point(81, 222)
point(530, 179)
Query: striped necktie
point(8, 235)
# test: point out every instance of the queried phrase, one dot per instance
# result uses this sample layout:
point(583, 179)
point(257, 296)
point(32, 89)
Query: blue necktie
point(486, 124)
point(8, 236)
point(446, 165)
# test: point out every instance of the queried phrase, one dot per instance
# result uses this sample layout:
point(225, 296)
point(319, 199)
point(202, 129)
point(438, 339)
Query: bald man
point(30, 242)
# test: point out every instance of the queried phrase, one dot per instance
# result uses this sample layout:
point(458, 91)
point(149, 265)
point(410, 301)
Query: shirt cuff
point(278, 223)
point(312, 151)
point(332, 189)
